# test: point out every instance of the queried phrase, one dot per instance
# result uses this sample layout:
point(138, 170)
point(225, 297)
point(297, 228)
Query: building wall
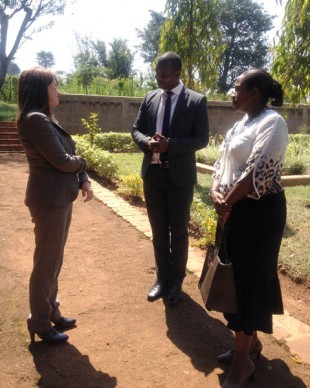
point(117, 114)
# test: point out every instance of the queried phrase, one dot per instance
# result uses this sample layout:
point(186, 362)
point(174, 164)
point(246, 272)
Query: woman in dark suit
point(248, 196)
point(55, 176)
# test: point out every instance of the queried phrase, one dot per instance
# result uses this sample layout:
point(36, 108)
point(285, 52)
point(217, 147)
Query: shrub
point(101, 162)
point(297, 159)
point(92, 126)
point(300, 138)
point(9, 90)
point(81, 142)
point(203, 219)
point(131, 186)
point(210, 154)
point(115, 142)
point(8, 112)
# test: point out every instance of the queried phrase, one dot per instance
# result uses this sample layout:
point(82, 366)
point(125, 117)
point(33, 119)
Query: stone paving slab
point(294, 333)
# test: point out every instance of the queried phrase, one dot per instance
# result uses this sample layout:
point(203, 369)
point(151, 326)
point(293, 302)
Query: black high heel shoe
point(228, 356)
point(65, 323)
point(51, 336)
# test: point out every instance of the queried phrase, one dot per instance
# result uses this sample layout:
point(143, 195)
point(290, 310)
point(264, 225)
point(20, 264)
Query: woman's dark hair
point(171, 58)
point(269, 88)
point(33, 93)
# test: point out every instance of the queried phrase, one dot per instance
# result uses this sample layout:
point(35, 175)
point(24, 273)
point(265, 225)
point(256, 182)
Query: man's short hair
point(171, 58)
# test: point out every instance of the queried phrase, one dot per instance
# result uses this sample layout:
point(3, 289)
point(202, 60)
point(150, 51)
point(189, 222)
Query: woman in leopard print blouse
point(249, 199)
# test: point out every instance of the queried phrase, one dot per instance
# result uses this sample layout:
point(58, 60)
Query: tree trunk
point(4, 23)
point(4, 64)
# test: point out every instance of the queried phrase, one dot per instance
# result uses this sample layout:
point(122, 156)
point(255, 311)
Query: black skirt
point(254, 235)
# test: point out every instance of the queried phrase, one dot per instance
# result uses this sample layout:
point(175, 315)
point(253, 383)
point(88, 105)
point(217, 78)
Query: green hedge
point(115, 142)
point(8, 112)
point(102, 162)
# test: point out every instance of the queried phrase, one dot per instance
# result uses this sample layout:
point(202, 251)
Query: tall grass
point(297, 159)
point(210, 154)
point(8, 112)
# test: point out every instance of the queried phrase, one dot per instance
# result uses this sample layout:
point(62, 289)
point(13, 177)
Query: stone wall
point(117, 114)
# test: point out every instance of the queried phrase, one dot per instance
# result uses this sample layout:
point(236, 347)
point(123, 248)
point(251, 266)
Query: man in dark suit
point(171, 125)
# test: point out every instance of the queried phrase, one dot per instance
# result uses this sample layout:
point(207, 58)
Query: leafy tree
point(150, 37)
point(85, 75)
point(13, 69)
point(30, 11)
point(90, 61)
point(101, 52)
point(243, 25)
point(192, 31)
point(120, 60)
point(45, 59)
point(91, 53)
point(292, 53)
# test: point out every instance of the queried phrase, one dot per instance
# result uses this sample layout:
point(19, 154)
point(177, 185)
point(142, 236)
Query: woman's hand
point(87, 191)
point(221, 207)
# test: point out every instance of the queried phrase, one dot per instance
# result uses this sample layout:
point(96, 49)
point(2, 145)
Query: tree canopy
point(45, 59)
point(191, 30)
point(243, 24)
point(29, 11)
point(93, 61)
point(150, 37)
point(291, 66)
point(90, 52)
point(13, 69)
point(120, 60)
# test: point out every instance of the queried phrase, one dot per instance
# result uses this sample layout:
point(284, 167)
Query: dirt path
point(121, 339)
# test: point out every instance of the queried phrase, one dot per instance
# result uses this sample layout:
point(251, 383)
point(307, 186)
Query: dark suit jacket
point(189, 132)
point(55, 173)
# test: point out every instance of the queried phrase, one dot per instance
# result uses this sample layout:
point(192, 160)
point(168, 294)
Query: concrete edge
point(294, 333)
point(287, 180)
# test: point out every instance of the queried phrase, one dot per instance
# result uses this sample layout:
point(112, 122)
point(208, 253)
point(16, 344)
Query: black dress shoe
point(65, 323)
point(51, 336)
point(175, 294)
point(155, 291)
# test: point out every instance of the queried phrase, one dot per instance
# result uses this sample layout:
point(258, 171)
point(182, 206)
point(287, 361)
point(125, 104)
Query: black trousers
point(168, 208)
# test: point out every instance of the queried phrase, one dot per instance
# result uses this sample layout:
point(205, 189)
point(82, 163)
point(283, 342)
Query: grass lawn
point(128, 163)
point(294, 256)
point(295, 250)
point(8, 111)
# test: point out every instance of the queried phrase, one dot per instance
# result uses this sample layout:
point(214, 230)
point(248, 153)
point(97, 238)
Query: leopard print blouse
point(259, 145)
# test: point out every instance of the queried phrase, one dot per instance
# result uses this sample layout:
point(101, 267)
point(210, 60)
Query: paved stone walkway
point(286, 328)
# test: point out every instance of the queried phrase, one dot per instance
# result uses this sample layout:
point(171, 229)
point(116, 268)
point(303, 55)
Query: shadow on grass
point(288, 231)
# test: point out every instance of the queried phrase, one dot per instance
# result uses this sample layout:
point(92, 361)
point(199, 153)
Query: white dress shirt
point(161, 110)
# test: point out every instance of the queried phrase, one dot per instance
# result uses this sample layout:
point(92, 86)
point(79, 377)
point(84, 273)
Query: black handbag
point(216, 283)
